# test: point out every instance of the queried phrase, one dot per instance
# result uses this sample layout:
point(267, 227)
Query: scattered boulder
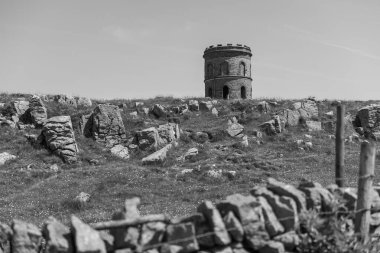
point(157, 157)
point(234, 129)
point(214, 112)
point(84, 102)
point(180, 109)
point(107, 125)
point(66, 100)
point(120, 151)
point(37, 111)
point(313, 125)
point(5, 156)
point(82, 199)
point(264, 107)
point(20, 107)
point(193, 105)
point(57, 236)
point(367, 121)
point(58, 136)
point(190, 153)
point(168, 132)
point(148, 139)
point(87, 240)
point(305, 109)
point(26, 237)
point(272, 127)
point(159, 111)
point(205, 105)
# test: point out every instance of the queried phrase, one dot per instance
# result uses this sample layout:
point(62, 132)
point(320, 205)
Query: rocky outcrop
point(234, 129)
point(157, 157)
point(5, 156)
point(305, 110)
point(367, 121)
point(193, 105)
point(84, 102)
point(205, 105)
point(168, 132)
point(120, 151)
point(58, 136)
point(148, 139)
point(159, 111)
point(272, 127)
point(107, 125)
point(66, 100)
point(37, 111)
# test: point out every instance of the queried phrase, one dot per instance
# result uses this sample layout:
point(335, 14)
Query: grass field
point(30, 190)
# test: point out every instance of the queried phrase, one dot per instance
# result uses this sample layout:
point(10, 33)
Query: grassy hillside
point(31, 190)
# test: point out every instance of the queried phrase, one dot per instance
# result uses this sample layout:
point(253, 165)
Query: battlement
point(228, 47)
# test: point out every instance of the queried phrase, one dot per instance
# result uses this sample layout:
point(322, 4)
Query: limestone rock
point(85, 125)
point(152, 233)
point(234, 227)
point(264, 107)
point(284, 211)
point(20, 107)
point(148, 139)
point(84, 101)
point(272, 127)
point(107, 125)
point(181, 238)
point(120, 151)
point(193, 105)
point(234, 129)
point(180, 109)
point(190, 153)
point(272, 247)
point(368, 118)
point(87, 240)
point(283, 189)
point(127, 237)
point(205, 105)
point(159, 111)
point(214, 112)
point(26, 237)
point(168, 132)
point(215, 220)
point(6, 234)
point(66, 100)
point(57, 236)
point(37, 110)
point(313, 125)
point(157, 157)
point(226, 249)
point(272, 225)
point(58, 136)
point(108, 240)
point(5, 156)
point(290, 240)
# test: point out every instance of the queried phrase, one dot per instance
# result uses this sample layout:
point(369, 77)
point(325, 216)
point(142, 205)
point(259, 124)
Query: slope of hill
point(32, 189)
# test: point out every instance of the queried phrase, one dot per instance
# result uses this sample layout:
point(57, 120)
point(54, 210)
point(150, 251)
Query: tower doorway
point(209, 92)
point(226, 92)
point(243, 92)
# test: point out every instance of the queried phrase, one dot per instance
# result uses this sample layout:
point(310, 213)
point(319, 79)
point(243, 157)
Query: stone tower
point(228, 71)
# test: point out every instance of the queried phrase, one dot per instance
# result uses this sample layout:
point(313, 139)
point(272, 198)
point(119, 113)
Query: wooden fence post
point(339, 147)
point(363, 205)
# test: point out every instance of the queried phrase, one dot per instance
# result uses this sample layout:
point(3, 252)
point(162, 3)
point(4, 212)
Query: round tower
point(228, 71)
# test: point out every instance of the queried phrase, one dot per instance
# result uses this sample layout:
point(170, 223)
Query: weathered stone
point(180, 238)
point(287, 216)
point(134, 115)
point(26, 237)
point(148, 139)
point(66, 100)
point(244, 141)
point(375, 220)
point(107, 125)
point(157, 157)
point(234, 129)
point(234, 227)
point(58, 136)
point(290, 240)
point(270, 127)
point(126, 237)
point(291, 117)
point(313, 125)
point(215, 220)
point(168, 132)
point(248, 210)
point(190, 153)
point(272, 247)
point(205, 105)
point(180, 109)
point(84, 101)
point(272, 225)
point(85, 125)
point(120, 151)
point(108, 240)
point(159, 111)
point(193, 105)
point(5, 156)
point(264, 107)
point(152, 233)
point(57, 236)
point(227, 249)
point(20, 107)
point(206, 238)
point(214, 112)
point(37, 111)
point(6, 234)
point(283, 189)
point(87, 240)
point(317, 197)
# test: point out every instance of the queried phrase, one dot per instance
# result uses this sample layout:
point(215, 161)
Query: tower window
point(242, 69)
point(210, 71)
point(210, 92)
point(224, 69)
point(243, 92)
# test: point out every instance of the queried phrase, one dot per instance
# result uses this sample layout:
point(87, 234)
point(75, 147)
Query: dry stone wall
point(268, 220)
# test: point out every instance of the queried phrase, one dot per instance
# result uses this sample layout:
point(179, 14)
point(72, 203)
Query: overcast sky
point(144, 48)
